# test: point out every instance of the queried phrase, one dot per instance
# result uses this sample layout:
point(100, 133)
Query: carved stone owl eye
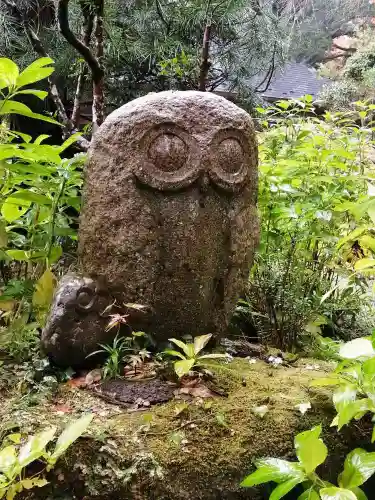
point(170, 158)
point(229, 159)
point(86, 298)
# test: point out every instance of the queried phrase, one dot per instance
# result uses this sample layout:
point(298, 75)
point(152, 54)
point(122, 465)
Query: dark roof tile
point(293, 81)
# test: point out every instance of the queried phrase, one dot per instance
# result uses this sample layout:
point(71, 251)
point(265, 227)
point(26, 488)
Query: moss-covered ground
point(203, 452)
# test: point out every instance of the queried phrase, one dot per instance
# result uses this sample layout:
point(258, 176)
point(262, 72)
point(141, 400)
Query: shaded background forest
point(130, 47)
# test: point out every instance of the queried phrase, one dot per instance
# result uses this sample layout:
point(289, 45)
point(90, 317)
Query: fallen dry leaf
point(93, 377)
point(198, 391)
point(260, 410)
point(303, 407)
point(75, 383)
point(62, 408)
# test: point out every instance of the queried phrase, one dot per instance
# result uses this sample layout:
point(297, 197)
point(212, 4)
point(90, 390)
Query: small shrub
point(339, 95)
point(310, 271)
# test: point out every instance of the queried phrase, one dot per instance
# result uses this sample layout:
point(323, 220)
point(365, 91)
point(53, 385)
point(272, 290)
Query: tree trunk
point(98, 80)
point(92, 60)
point(88, 15)
point(205, 63)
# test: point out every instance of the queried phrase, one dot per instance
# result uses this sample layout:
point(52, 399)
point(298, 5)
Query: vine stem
point(53, 219)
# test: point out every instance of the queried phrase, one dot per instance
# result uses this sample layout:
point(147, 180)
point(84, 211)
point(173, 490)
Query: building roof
point(293, 81)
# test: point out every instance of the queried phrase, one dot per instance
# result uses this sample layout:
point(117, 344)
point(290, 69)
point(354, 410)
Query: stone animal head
point(78, 319)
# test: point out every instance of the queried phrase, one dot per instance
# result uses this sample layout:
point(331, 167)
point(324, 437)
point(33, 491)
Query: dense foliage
point(316, 203)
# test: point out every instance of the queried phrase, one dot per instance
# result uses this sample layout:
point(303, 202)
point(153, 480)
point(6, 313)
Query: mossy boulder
point(200, 454)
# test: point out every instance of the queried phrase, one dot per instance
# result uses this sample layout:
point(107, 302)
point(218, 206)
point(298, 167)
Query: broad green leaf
point(359, 466)
point(344, 394)
point(27, 195)
point(25, 137)
point(43, 294)
point(15, 438)
point(357, 348)
point(336, 494)
point(19, 255)
point(368, 367)
point(359, 493)
point(8, 73)
point(35, 447)
point(200, 342)
point(367, 242)
point(326, 381)
point(35, 72)
point(8, 459)
point(309, 494)
point(40, 94)
point(55, 254)
point(310, 449)
point(18, 108)
point(71, 140)
point(28, 484)
point(214, 355)
point(183, 346)
point(12, 491)
point(282, 489)
point(71, 434)
point(364, 264)
point(348, 411)
point(9, 107)
point(274, 469)
point(13, 208)
point(171, 352)
point(183, 367)
point(41, 138)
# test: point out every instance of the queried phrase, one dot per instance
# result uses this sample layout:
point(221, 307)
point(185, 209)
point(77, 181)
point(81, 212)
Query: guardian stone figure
point(169, 215)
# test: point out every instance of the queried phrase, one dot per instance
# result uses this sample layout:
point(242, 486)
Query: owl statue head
point(170, 140)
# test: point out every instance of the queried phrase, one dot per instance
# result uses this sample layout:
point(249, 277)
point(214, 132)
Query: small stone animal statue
point(169, 219)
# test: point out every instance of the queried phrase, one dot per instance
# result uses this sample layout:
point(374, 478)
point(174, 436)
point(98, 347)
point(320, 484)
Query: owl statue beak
point(204, 182)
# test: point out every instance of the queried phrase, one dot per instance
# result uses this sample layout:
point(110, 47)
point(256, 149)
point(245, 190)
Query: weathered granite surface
point(169, 209)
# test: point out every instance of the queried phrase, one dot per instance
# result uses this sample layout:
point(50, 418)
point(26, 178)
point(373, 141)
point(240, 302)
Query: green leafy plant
point(354, 379)
point(18, 453)
point(316, 200)
point(38, 184)
point(191, 358)
point(12, 83)
point(115, 355)
point(39, 198)
point(311, 452)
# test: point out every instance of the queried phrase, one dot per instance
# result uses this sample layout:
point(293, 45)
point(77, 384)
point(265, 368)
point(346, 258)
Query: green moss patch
point(201, 453)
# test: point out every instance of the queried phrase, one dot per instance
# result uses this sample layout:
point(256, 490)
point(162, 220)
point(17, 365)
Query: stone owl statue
point(169, 216)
